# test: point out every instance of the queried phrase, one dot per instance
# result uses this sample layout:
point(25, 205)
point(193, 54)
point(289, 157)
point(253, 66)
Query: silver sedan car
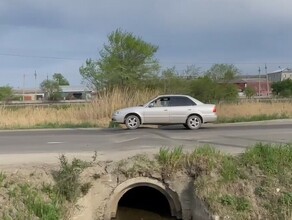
point(167, 110)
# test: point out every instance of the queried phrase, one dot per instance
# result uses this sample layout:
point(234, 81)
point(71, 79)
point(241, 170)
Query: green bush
point(68, 178)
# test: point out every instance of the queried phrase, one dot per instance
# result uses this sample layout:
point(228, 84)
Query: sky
point(43, 37)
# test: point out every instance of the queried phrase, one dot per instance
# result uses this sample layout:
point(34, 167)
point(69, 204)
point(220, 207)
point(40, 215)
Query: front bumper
point(118, 119)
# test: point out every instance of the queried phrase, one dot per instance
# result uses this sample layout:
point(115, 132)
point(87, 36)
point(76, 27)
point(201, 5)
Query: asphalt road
point(232, 138)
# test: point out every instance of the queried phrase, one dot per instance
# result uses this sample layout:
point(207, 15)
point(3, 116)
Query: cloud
point(198, 32)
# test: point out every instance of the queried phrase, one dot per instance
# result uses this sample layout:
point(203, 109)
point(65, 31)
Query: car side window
point(161, 102)
point(181, 101)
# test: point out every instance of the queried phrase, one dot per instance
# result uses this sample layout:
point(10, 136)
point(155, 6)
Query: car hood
point(131, 109)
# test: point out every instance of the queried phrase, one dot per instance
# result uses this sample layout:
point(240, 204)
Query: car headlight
point(117, 113)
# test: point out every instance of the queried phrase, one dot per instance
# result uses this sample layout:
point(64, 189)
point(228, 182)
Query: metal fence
point(42, 103)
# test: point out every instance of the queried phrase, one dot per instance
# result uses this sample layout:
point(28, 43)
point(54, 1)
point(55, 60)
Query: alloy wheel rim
point(194, 122)
point(132, 122)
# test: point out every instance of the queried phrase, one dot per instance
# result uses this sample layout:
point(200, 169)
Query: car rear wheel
point(194, 122)
point(132, 122)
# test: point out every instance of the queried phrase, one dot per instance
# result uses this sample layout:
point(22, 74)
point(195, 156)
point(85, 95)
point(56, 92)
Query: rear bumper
point(210, 118)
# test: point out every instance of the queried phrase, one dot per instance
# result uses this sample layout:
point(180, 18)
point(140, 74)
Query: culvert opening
point(143, 202)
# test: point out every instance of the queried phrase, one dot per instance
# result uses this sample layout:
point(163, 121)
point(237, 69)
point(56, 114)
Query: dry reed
point(100, 110)
point(248, 109)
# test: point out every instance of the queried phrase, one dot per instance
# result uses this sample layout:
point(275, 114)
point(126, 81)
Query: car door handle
point(165, 110)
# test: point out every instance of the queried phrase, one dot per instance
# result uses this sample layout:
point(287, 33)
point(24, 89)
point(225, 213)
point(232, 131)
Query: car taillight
point(214, 109)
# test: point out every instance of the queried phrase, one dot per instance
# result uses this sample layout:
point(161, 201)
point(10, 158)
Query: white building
point(280, 75)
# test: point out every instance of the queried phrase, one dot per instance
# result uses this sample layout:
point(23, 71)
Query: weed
point(242, 204)
point(85, 188)
point(270, 159)
point(67, 178)
point(94, 157)
point(260, 191)
point(2, 178)
point(50, 201)
point(229, 170)
point(170, 160)
point(239, 204)
point(262, 117)
point(227, 200)
point(113, 124)
point(65, 125)
point(138, 165)
point(96, 176)
point(263, 173)
point(36, 204)
point(99, 111)
point(286, 199)
point(202, 160)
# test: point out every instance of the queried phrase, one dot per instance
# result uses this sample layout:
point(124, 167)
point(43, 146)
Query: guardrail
point(42, 103)
point(257, 100)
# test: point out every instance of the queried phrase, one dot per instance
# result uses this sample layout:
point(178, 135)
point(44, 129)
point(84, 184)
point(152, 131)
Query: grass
point(256, 184)
point(46, 201)
point(29, 202)
point(253, 111)
point(271, 159)
point(68, 179)
point(98, 113)
point(170, 160)
point(253, 185)
point(138, 165)
point(2, 178)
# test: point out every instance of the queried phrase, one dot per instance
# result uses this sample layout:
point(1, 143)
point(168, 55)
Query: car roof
point(173, 95)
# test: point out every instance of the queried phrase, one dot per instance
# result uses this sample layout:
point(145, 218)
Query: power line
point(237, 63)
point(161, 61)
point(38, 57)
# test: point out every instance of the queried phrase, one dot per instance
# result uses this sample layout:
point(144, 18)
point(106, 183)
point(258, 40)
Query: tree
point(249, 92)
point(126, 60)
point(282, 88)
point(207, 90)
point(230, 92)
point(191, 72)
point(222, 72)
point(204, 89)
point(62, 81)
point(6, 93)
point(173, 82)
point(91, 73)
point(52, 90)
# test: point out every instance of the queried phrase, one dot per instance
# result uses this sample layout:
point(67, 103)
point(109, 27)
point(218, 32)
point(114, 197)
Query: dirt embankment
point(253, 185)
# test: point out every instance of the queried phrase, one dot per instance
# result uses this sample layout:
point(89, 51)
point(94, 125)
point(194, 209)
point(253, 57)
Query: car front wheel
point(132, 122)
point(194, 122)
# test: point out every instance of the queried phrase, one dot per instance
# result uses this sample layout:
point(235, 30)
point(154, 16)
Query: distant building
point(239, 83)
point(67, 93)
point(259, 83)
point(29, 94)
point(280, 75)
point(76, 93)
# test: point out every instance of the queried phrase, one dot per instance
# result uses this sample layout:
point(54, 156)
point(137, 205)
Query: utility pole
point(23, 87)
point(35, 84)
point(259, 81)
point(267, 78)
